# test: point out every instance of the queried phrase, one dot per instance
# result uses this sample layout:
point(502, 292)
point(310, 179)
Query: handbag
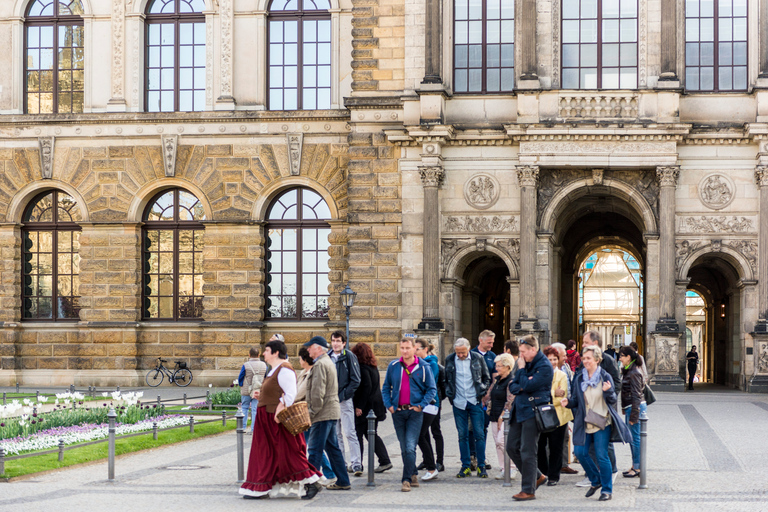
point(546, 417)
point(649, 396)
point(593, 418)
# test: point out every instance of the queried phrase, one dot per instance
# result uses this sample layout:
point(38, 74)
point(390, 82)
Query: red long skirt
point(278, 463)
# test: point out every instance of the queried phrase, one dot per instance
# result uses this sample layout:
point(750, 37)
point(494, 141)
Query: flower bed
point(47, 439)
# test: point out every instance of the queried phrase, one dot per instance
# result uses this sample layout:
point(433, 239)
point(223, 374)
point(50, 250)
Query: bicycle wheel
point(154, 378)
point(182, 377)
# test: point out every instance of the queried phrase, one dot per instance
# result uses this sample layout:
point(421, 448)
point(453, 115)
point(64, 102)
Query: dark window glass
point(175, 56)
point(173, 257)
point(51, 258)
point(299, 55)
point(716, 45)
point(599, 44)
point(484, 48)
point(297, 256)
point(54, 79)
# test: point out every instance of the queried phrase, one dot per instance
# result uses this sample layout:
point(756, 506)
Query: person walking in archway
point(693, 363)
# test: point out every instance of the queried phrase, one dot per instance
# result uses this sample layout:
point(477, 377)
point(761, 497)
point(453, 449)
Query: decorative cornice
point(431, 176)
point(528, 175)
point(667, 175)
point(761, 175)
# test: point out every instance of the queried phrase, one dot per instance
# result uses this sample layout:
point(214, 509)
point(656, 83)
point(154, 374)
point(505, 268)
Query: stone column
point(763, 29)
point(668, 41)
point(432, 46)
point(527, 33)
point(759, 381)
point(668, 181)
point(528, 177)
point(431, 177)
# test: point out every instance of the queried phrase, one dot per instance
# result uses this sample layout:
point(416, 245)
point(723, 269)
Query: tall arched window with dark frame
point(51, 258)
point(172, 257)
point(54, 61)
point(297, 256)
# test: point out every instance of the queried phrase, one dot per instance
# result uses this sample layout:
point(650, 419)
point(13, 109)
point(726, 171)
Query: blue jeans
point(635, 429)
point(327, 471)
point(462, 417)
point(408, 427)
point(323, 437)
point(602, 475)
point(246, 402)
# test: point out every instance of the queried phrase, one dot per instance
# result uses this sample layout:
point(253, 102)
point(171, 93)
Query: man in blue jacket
point(531, 385)
point(408, 388)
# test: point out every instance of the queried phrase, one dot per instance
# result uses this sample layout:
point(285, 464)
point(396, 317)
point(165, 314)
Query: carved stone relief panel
point(551, 181)
point(684, 249)
point(295, 141)
point(46, 156)
point(644, 182)
point(170, 144)
point(716, 191)
point(481, 191)
point(715, 224)
point(748, 248)
point(666, 354)
point(762, 357)
point(479, 223)
point(450, 247)
point(118, 49)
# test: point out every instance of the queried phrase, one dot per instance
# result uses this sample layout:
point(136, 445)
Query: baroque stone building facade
point(470, 159)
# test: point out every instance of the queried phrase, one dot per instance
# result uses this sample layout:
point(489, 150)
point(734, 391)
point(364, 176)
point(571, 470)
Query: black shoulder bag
point(546, 417)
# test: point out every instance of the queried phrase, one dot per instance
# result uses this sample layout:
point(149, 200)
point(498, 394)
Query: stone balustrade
point(581, 105)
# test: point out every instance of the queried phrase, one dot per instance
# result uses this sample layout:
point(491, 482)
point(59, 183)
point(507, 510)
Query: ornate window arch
point(175, 56)
point(54, 63)
point(484, 46)
point(299, 62)
point(599, 44)
point(297, 255)
point(172, 256)
point(716, 45)
point(50, 258)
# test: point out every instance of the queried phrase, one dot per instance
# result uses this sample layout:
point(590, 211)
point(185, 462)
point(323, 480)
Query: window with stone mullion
point(484, 47)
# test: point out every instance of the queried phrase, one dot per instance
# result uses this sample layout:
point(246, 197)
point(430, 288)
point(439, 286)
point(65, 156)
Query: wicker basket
point(295, 418)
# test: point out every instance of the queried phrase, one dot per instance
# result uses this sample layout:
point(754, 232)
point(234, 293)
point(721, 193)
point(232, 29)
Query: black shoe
point(605, 497)
point(312, 490)
point(440, 467)
point(592, 490)
point(262, 497)
point(421, 467)
point(488, 465)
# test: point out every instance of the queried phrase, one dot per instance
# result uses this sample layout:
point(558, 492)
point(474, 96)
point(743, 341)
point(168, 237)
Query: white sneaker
point(430, 475)
point(500, 475)
point(325, 482)
point(614, 477)
point(584, 483)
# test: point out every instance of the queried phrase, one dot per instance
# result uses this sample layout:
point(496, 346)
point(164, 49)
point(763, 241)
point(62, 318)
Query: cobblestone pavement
point(705, 453)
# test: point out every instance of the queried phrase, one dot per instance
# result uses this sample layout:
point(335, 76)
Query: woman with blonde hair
point(497, 400)
point(552, 464)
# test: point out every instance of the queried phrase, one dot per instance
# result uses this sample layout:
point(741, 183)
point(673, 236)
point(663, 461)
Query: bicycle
point(181, 375)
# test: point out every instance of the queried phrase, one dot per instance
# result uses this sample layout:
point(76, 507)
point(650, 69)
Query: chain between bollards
point(371, 417)
point(112, 415)
point(61, 450)
point(239, 416)
point(507, 472)
point(643, 450)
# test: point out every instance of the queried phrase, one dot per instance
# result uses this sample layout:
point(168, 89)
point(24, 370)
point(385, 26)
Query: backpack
point(255, 381)
point(440, 382)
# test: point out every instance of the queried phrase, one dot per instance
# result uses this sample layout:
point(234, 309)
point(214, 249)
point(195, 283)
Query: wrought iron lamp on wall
point(347, 300)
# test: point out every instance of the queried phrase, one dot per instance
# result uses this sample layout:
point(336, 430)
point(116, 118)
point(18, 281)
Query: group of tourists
point(342, 386)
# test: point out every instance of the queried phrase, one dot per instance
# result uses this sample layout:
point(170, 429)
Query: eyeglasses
point(523, 341)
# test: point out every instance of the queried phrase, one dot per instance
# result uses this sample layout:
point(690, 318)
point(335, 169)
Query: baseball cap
point(317, 340)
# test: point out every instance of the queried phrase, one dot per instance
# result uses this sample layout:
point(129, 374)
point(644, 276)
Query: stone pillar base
point(439, 338)
point(530, 326)
point(758, 384)
point(668, 383)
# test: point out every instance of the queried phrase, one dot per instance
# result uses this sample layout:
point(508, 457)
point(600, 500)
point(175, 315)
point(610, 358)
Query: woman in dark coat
point(367, 397)
point(593, 392)
point(632, 402)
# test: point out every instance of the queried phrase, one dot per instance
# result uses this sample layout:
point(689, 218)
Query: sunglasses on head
point(524, 342)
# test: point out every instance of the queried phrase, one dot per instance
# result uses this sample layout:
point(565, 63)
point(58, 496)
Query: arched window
point(297, 255)
point(50, 258)
point(599, 44)
point(299, 55)
point(716, 45)
point(53, 63)
point(484, 48)
point(175, 56)
point(173, 257)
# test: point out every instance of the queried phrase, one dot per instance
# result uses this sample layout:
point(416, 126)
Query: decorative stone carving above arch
point(457, 253)
point(716, 191)
point(741, 254)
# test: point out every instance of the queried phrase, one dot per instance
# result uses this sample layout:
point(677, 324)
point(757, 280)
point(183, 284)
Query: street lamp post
point(347, 300)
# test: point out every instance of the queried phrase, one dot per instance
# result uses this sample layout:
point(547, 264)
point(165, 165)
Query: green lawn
point(14, 468)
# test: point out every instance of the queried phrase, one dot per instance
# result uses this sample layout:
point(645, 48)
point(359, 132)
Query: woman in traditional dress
point(278, 463)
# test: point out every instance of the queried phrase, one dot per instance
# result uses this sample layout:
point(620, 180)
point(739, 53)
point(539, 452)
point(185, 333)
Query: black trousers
point(437, 435)
point(380, 449)
point(551, 464)
point(522, 447)
point(691, 375)
point(425, 444)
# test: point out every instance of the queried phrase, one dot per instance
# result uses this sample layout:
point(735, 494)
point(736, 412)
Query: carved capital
point(667, 175)
point(528, 175)
point(431, 176)
point(761, 175)
point(46, 156)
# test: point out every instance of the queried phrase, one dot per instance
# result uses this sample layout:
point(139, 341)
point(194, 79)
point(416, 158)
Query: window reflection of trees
point(297, 256)
point(173, 257)
point(51, 258)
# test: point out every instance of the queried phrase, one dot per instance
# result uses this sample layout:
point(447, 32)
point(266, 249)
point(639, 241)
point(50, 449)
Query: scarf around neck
point(586, 382)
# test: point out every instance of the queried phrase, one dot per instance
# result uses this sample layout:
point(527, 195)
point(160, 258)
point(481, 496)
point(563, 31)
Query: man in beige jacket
point(324, 412)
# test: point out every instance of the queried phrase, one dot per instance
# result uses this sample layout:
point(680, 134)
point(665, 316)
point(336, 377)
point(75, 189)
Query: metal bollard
point(34, 410)
point(371, 417)
point(37, 395)
point(118, 389)
point(71, 388)
point(154, 430)
point(61, 450)
point(3, 397)
point(239, 416)
point(191, 424)
point(112, 416)
point(224, 418)
point(507, 470)
point(158, 401)
point(73, 404)
point(208, 400)
point(2, 461)
point(17, 388)
point(185, 399)
point(643, 450)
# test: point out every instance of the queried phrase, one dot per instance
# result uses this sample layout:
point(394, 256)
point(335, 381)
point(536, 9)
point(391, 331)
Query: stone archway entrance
point(485, 300)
